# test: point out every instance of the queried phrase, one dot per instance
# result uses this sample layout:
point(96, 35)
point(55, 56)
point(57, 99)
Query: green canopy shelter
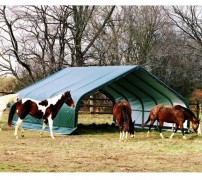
point(132, 83)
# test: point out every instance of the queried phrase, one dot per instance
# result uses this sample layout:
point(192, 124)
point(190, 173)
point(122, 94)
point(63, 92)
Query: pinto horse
point(4, 100)
point(172, 114)
point(122, 114)
point(46, 109)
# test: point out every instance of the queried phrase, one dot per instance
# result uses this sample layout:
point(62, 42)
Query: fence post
point(91, 103)
point(198, 109)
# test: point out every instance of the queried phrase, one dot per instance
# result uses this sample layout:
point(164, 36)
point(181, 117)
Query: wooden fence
point(92, 105)
point(196, 108)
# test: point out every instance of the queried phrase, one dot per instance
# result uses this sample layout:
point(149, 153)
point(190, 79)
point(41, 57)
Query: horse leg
point(123, 135)
point(125, 130)
point(43, 127)
point(150, 126)
point(18, 123)
point(126, 135)
point(50, 123)
point(184, 137)
point(176, 128)
point(22, 131)
point(182, 129)
point(161, 135)
point(160, 129)
point(199, 129)
point(120, 137)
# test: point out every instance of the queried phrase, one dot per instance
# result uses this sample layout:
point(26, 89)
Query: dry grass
point(7, 84)
point(95, 148)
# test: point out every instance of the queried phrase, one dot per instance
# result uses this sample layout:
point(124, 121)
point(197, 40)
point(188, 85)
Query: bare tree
point(106, 48)
point(143, 31)
point(188, 19)
point(48, 28)
point(46, 39)
point(188, 22)
point(81, 19)
point(9, 34)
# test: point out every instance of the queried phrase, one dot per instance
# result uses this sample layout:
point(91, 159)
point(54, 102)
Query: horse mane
point(44, 103)
point(187, 110)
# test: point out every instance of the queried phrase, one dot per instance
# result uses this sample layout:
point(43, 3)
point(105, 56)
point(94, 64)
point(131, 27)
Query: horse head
point(12, 98)
point(196, 125)
point(132, 129)
point(68, 99)
point(194, 120)
point(16, 98)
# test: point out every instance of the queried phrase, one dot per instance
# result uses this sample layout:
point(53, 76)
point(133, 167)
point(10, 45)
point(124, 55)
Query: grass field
point(94, 147)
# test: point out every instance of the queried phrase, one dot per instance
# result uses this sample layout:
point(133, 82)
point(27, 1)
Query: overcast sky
point(103, 2)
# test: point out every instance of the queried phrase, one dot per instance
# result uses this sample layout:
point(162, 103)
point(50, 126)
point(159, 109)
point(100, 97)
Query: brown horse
point(46, 109)
point(172, 114)
point(122, 113)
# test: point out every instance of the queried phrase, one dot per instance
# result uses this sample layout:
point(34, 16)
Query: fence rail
point(5, 93)
point(196, 108)
point(105, 106)
point(92, 105)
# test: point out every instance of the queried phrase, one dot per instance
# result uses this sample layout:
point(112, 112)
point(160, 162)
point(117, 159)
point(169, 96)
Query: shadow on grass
point(98, 128)
point(195, 136)
point(95, 128)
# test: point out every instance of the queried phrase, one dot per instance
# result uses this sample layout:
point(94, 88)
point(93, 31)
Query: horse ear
point(67, 93)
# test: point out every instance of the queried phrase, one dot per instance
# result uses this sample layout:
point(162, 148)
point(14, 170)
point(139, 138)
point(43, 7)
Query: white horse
point(4, 100)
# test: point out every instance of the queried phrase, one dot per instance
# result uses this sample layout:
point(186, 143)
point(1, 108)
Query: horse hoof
point(132, 136)
point(162, 137)
point(184, 137)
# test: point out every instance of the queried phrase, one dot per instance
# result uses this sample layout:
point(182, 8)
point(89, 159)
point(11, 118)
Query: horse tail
point(11, 114)
point(153, 113)
point(123, 110)
point(144, 124)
